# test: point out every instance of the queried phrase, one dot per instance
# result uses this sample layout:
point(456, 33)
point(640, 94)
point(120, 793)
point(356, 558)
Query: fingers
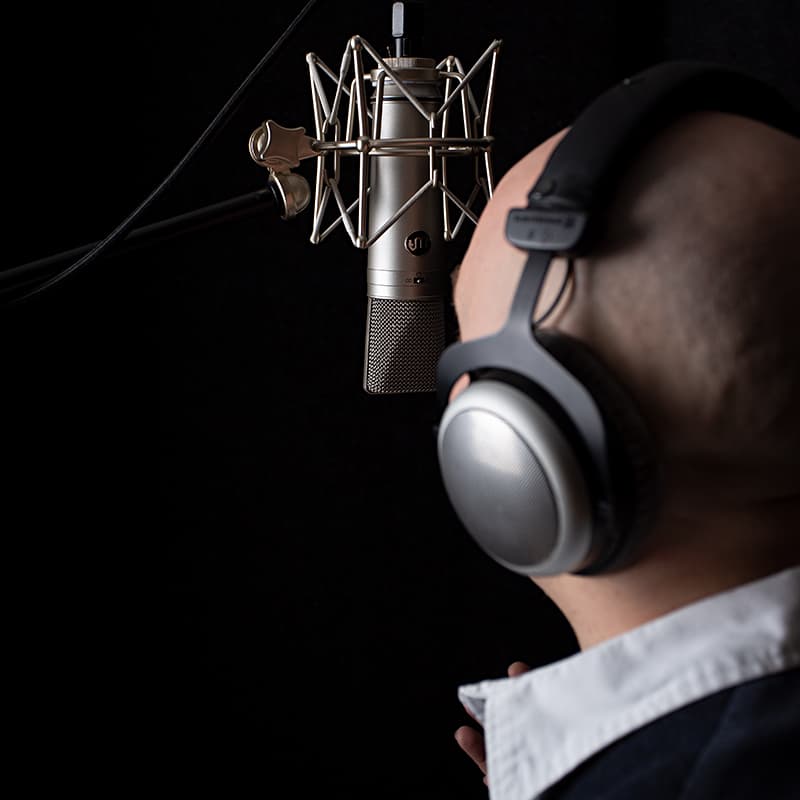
point(471, 742)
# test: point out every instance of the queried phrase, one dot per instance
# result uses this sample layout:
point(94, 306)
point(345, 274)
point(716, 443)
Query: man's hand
point(470, 740)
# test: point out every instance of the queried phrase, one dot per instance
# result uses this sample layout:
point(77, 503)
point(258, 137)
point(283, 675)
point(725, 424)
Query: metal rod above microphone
point(407, 27)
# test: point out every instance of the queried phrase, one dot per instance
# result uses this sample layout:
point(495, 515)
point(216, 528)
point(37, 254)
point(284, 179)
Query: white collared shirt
point(541, 725)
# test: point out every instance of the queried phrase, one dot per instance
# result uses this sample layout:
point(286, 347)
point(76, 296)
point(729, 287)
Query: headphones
point(544, 456)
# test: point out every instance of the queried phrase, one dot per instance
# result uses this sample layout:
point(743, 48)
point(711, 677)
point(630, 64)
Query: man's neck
point(685, 561)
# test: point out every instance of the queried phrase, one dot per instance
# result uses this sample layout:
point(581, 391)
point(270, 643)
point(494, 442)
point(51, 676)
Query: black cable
point(568, 275)
point(222, 117)
point(200, 219)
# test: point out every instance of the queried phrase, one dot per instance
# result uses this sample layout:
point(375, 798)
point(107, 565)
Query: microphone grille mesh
point(404, 341)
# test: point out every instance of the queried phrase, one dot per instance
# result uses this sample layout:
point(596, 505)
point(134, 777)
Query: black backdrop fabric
point(231, 573)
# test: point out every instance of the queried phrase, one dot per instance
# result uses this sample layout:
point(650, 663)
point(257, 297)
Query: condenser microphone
point(407, 268)
point(395, 121)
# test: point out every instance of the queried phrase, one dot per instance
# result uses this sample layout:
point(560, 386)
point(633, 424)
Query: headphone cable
point(568, 278)
point(222, 117)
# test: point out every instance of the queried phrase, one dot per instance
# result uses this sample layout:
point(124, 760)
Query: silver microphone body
point(407, 272)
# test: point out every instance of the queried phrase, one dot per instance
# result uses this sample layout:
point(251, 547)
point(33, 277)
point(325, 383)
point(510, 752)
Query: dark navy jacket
point(741, 743)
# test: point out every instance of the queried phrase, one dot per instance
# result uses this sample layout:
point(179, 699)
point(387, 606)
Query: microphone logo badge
point(405, 123)
point(418, 243)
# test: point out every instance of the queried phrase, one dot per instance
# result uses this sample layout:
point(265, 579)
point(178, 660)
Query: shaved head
point(690, 298)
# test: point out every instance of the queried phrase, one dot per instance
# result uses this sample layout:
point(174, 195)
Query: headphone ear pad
point(634, 465)
point(514, 479)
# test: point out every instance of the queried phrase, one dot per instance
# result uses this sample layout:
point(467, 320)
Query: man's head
point(691, 299)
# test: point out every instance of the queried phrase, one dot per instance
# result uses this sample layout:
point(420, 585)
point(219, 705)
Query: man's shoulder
point(736, 743)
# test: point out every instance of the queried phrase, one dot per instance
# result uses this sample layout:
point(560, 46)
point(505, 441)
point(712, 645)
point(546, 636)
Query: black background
point(229, 571)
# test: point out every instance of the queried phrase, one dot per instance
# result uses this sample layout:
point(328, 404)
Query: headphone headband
point(510, 474)
point(582, 168)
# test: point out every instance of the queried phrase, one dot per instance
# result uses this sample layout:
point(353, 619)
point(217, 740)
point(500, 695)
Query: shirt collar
point(540, 725)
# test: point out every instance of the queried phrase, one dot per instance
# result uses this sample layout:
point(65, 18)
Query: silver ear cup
point(514, 480)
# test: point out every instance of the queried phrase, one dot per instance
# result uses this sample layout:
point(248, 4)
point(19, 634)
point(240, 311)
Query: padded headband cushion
point(629, 113)
point(634, 465)
point(586, 163)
